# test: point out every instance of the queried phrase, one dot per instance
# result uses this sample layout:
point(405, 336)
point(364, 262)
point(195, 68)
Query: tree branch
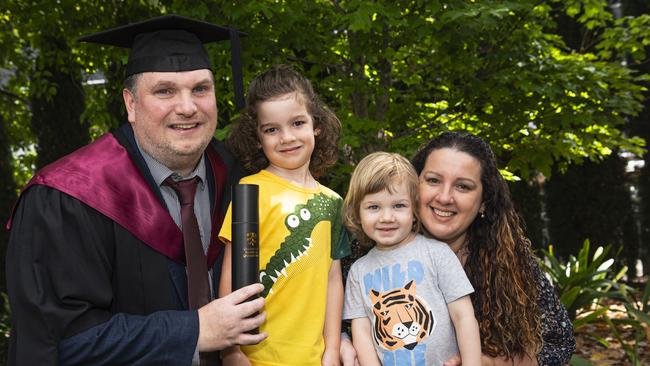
point(420, 128)
point(9, 95)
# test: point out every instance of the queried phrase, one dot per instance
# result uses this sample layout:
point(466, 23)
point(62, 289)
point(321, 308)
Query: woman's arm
point(333, 314)
point(362, 341)
point(557, 329)
point(461, 312)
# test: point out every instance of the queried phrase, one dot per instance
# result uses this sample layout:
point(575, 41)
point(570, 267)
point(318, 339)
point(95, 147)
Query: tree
point(590, 201)
point(395, 72)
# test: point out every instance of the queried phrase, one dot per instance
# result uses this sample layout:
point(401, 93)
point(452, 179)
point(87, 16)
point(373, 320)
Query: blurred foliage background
point(558, 87)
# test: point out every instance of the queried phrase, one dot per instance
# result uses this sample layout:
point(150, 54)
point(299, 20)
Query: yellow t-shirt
point(300, 234)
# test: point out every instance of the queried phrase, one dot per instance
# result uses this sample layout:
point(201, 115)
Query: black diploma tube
point(245, 235)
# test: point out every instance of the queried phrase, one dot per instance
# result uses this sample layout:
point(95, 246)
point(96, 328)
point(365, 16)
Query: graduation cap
point(173, 43)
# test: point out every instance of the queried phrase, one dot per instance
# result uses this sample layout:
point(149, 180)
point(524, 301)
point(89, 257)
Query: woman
point(465, 202)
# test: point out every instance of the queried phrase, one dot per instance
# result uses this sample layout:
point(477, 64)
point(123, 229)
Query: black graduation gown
point(84, 290)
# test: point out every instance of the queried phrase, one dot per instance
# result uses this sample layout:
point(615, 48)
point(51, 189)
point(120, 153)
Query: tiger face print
point(402, 319)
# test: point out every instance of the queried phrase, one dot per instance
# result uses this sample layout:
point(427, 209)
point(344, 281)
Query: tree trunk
point(591, 201)
point(7, 194)
point(57, 107)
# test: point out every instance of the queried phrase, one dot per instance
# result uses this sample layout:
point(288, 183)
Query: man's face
point(174, 116)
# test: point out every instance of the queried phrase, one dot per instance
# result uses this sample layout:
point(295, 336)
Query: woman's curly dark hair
point(500, 260)
point(271, 84)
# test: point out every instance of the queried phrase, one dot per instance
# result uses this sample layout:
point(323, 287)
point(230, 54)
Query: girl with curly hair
point(286, 138)
point(466, 203)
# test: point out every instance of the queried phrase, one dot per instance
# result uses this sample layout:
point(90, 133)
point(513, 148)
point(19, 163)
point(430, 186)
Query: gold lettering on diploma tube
point(251, 249)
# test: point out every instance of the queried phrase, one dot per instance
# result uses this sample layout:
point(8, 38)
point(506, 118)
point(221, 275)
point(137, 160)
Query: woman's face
point(451, 193)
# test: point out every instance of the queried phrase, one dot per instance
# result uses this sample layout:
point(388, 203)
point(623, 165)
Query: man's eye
point(202, 89)
point(164, 91)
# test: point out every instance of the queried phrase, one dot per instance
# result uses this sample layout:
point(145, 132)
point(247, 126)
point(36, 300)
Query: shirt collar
point(160, 172)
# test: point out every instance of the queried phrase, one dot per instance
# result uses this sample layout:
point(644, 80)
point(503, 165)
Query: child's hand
point(348, 353)
point(233, 356)
point(495, 361)
point(453, 361)
point(330, 357)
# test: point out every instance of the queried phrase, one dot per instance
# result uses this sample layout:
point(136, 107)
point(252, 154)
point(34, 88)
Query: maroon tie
point(198, 289)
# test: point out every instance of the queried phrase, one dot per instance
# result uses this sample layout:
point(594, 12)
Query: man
point(110, 261)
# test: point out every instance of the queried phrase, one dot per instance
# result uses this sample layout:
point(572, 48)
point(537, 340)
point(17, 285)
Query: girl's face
point(451, 194)
point(286, 132)
point(387, 218)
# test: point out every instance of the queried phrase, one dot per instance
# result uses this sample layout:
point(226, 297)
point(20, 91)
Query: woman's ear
point(316, 131)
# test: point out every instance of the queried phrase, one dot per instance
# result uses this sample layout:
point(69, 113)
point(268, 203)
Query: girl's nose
point(287, 137)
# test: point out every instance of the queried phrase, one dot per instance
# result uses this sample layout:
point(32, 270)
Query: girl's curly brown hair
point(278, 81)
point(500, 262)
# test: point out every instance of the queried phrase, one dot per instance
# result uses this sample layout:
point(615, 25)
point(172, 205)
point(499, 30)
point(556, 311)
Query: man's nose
point(186, 105)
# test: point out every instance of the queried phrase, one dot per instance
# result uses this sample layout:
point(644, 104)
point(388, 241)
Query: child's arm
point(333, 314)
point(362, 341)
point(225, 283)
point(230, 356)
point(467, 333)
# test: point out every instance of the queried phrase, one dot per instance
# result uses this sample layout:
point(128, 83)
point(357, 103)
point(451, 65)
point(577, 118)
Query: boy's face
point(286, 132)
point(387, 217)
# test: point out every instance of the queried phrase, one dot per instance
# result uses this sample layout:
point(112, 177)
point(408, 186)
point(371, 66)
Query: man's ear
point(129, 103)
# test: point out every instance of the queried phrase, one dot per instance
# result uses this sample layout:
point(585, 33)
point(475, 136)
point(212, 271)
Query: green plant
point(583, 282)
point(5, 327)
point(634, 316)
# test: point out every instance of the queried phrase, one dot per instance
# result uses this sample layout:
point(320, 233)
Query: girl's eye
point(269, 130)
point(372, 207)
point(298, 123)
point(400, 205)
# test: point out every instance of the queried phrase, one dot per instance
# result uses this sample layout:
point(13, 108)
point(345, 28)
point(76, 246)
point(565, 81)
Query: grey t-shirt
point(404, 292)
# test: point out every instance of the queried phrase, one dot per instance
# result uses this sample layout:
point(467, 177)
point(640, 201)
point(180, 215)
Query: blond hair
point(377, 172)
